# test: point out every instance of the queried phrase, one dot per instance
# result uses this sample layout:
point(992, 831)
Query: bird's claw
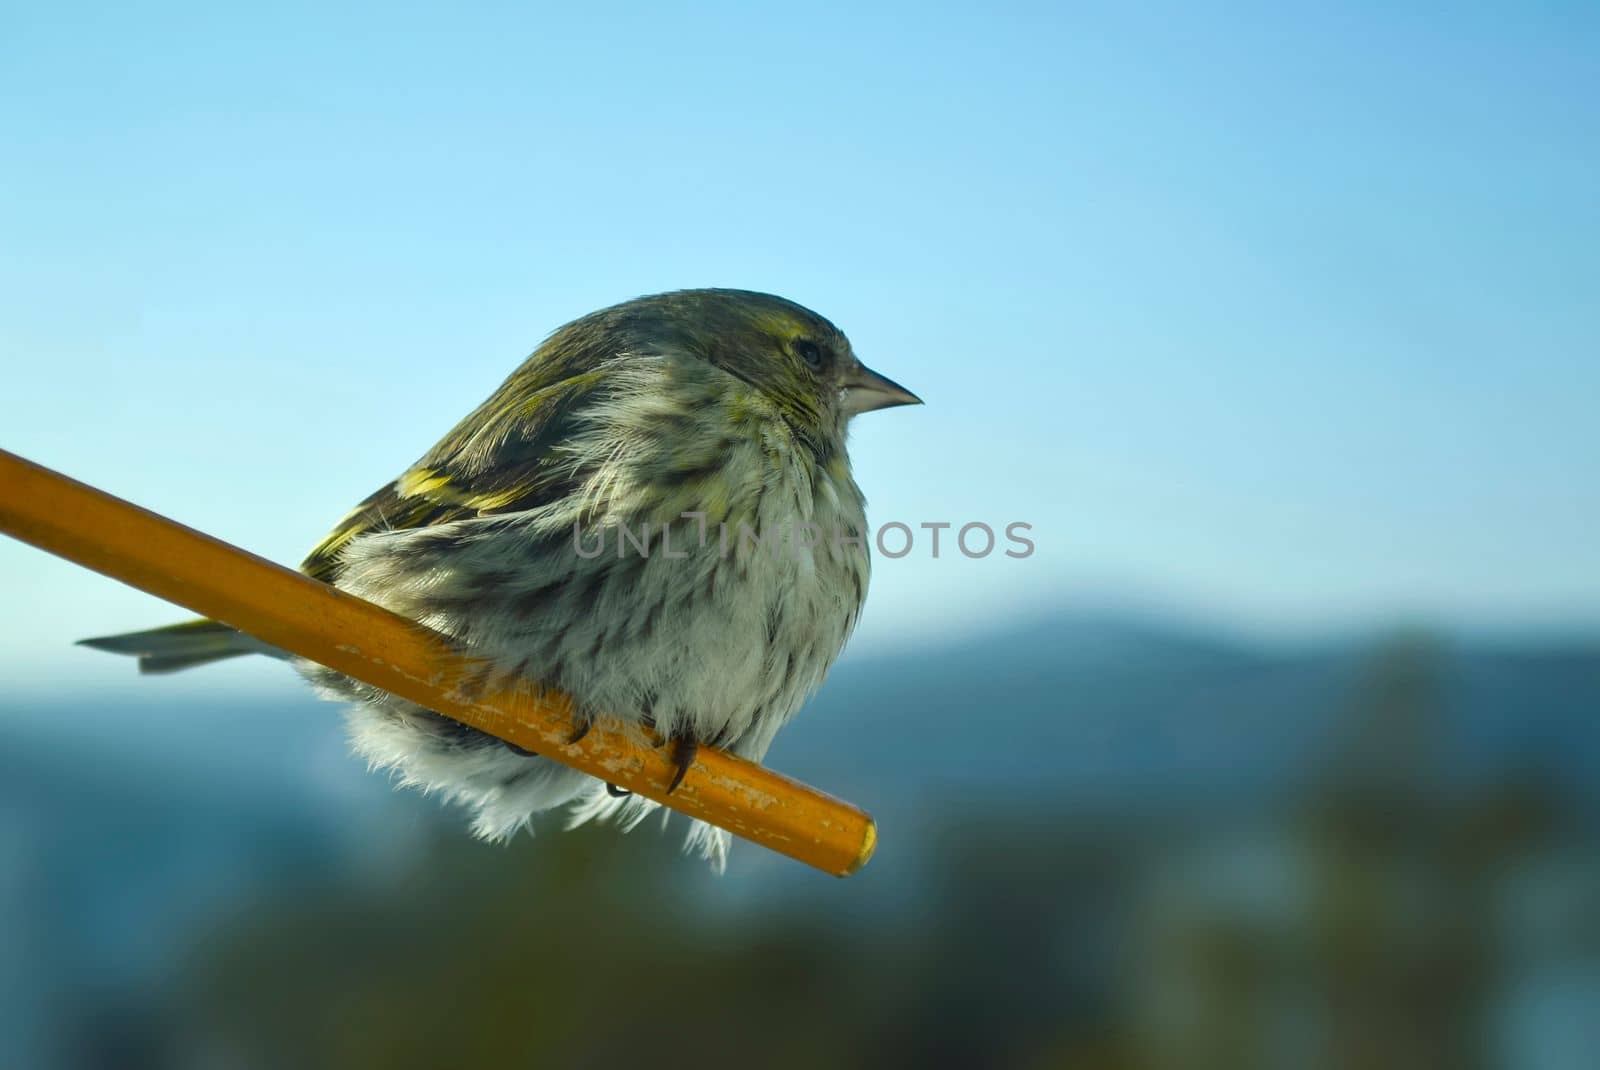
point(683, 753)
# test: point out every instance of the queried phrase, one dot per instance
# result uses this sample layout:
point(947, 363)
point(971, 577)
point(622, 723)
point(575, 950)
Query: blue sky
point(1284, 315)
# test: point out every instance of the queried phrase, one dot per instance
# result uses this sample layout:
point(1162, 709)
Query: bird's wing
point(500, 459)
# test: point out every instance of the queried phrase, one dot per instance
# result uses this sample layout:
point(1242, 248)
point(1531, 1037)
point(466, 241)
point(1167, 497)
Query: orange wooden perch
point(306, 617)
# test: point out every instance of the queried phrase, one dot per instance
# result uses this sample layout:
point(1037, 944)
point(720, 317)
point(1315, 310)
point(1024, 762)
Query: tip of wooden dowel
point(869, 844)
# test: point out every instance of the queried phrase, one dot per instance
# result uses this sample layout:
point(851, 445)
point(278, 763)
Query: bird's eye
point(809, 352)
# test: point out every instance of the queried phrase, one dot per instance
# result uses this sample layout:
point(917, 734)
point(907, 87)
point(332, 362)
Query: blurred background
point(1282, 747)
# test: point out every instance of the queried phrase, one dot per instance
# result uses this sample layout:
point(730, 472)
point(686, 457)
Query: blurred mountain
point(1101, 710)
point(1124, 712)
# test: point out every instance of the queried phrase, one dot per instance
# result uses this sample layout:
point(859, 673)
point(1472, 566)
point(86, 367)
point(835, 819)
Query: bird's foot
point(684, 750)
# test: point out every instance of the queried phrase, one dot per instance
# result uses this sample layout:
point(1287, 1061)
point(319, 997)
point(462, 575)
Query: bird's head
point(799, 363)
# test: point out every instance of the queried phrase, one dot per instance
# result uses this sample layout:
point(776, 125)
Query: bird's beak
point(866, 390)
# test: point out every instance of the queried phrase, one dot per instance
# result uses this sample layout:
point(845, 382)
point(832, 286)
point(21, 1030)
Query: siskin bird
point(710, 422)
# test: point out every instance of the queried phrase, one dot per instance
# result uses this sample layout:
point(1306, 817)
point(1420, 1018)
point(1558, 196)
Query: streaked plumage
point(723, 403)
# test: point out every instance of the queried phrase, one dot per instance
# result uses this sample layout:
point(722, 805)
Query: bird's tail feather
point(182, 646)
